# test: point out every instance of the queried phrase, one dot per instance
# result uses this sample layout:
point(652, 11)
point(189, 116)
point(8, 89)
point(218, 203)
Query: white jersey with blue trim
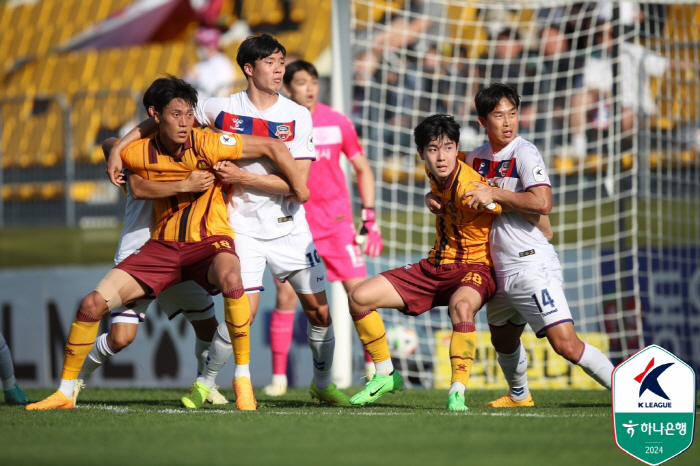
point(139, 222)
point(254, 212)
point(515, 243)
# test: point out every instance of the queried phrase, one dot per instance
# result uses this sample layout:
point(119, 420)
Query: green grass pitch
point(131, 426)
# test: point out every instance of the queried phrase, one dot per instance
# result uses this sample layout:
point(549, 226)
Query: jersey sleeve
point(206, 111)
point(133, 160)
point(302, 146)
point(216, 146)
point(351, 145)
point(531, 169)
point(465, 185)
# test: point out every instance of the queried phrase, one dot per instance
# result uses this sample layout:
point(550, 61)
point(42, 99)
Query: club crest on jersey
point(503, 169)
point(283, 132)
point(452, 207)
point(538, 173)
point(227, 140)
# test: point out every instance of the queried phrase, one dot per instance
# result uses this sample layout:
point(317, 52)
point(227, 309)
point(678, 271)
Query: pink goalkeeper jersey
point(330, 200)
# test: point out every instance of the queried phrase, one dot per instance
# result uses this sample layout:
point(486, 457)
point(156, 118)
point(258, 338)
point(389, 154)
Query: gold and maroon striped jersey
point(186, 217)
point(462, 233)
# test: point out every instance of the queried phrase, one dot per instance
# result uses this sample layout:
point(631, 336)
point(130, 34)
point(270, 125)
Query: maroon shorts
point(423, 286)
point(162, 264)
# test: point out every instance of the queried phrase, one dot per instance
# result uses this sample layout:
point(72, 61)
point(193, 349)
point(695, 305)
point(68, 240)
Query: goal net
point(610, 98)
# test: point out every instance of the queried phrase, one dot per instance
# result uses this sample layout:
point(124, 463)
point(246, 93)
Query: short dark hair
point(299, 65)
point(436, 126)
point(488, 97)
point(163, 90)
point(256, 48)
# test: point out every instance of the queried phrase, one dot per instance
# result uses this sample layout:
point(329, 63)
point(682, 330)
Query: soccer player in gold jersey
point(192, 239)
point(457, 273)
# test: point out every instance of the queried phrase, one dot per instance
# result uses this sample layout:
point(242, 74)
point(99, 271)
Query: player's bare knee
point(94, 306)
point(318, 315)
point(463, 311)
point(120, 341)
point(359, 299)
point(230, 280)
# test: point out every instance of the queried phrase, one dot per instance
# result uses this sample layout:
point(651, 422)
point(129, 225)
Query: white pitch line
point(342, 412)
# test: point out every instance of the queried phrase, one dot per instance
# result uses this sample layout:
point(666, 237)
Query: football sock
point(99, 353)
point(67, 387)
point(462, 350)
point(237, 312)
point(219, 352)
point(384, 367)
point(514, 367)
point(457, 387)
point(370, 328)
point(281, 331)
point(242, 370)
point(322, 344)
point(279, 379)
point(81, 337)
point(7, 371)
point(201, 351)
point(594, 363)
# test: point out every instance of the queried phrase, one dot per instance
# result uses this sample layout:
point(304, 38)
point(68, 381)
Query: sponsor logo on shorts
point(136, 251)
point(319, 279)
point(288, 218)
point(527, 253)
point(407, 266)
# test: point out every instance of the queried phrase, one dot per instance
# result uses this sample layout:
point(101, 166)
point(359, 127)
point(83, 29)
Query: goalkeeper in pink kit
point(328, 211)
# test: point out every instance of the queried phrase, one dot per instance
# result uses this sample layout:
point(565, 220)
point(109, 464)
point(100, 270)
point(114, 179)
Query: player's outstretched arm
point(537, 200)
point(276, 150)
point(229, 173)
point(114, 161)
point(197, 181)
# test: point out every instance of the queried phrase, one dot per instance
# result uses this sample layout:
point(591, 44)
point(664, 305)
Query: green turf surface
point(126, 426)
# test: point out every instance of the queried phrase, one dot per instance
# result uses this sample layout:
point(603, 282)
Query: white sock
point(67, 387)
point(384, 367)
point(457, 387)
point(594, 363)
point(279, 379)
point(514, 367)
point(219, 352)
point(322, 344)
point(201, 351)
point(97, 356)
point(7, 370)
point(242, 370)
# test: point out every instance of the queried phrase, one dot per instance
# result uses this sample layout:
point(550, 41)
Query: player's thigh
point(225, 271)
point(251, 253)
point(290, 253)
point(537, 294)
point(352, 283)
point(309, 280)
point(375, 293)
point(189, 299)
point(464, 304)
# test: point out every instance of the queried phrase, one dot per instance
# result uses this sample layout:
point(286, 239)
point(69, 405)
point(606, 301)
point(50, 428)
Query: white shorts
point(534, 296)
point(186, 298)
point(285, 255)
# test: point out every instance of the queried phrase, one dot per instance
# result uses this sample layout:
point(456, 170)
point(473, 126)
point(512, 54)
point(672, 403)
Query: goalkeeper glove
point(370, 236)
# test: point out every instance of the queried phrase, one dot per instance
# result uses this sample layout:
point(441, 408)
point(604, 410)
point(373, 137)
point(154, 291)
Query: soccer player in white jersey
point(530, 283)
point(270, 228)
point(328, 211)
point(186, 298)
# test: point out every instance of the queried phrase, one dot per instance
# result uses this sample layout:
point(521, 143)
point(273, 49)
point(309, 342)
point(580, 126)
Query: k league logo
point(653, 403)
